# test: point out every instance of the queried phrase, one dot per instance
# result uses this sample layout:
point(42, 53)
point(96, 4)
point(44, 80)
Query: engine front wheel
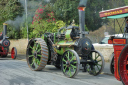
point(97, 66)
point(70, 63)
point(37, 54)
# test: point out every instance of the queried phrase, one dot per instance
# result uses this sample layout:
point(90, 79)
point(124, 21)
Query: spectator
point(126, 27)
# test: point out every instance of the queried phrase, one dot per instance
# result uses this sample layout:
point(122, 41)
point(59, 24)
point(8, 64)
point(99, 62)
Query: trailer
point(119, 61)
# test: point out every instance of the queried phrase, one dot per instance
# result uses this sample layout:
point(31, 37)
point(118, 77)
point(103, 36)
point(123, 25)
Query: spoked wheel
point(112, 64)
point(14, 53)
point(70, 63)
point(123, 65)
point(37, 54)
point(95, 67)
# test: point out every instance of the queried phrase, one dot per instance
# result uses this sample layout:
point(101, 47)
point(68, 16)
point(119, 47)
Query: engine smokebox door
point(6, 43)
point(84, 46)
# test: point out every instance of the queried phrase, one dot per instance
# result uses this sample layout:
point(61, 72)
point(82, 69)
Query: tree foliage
point(66, 10)
point(10, 9)
point(50, 15)
point(44, 21)
point(92, 19)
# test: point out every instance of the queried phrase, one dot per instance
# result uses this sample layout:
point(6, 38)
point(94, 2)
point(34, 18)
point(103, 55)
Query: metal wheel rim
point(37, 54)
point(98, 65)
point(112, 64)
point(70, 56)
point(34, 62)
point(13, 53)
point(123, 65)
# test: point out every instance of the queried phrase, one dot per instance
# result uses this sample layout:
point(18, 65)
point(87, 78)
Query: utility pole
point(26, 18)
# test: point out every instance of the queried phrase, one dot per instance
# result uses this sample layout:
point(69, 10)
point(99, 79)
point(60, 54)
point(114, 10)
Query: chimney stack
point(81, 9)
point(4, 30)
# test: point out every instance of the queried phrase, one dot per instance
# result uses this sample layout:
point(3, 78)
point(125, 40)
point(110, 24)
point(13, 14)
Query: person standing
point(126, 27)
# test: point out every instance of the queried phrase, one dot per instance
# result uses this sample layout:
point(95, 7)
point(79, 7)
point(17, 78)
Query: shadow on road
point(20, 80)
point(5, 59)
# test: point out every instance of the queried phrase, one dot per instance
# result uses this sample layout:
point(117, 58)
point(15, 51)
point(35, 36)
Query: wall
point(21, 45)
point(106, 51)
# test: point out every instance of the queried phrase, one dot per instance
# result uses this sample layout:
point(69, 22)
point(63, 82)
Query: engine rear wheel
point(97, 66)
point(123, 65)
point(37, 54)
point(70, 63)
point(112, 64)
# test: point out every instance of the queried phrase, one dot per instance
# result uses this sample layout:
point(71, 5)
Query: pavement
point(105, 71)
point(17, 72)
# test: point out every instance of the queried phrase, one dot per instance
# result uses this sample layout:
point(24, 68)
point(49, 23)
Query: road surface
point(17, 72)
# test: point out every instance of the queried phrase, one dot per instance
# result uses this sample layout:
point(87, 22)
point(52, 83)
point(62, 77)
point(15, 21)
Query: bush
point(44, 26)
point(44, 21)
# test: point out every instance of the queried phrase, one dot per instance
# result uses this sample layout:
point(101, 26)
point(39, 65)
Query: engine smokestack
point(81, 9)
point(4, 30)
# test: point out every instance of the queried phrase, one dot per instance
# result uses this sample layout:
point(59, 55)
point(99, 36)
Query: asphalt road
point(17, 72)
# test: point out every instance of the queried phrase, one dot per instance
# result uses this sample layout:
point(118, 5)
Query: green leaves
point(66, 10)
point(9, 9)
point(44, 26)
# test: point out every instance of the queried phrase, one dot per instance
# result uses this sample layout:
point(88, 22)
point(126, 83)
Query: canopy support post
point(114, 26)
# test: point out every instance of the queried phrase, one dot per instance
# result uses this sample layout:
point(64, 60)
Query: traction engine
point(66, 49)
point(5, 43)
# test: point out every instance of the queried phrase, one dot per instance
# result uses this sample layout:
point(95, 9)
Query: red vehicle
point(5, 43)
point(120, 45)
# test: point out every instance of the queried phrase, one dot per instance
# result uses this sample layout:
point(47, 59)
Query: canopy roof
point(116, 16)
point(115, 13)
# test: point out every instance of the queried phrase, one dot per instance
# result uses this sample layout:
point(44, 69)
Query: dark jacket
point(126, 28)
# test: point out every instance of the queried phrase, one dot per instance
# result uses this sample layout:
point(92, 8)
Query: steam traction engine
point(66, 49)
point(5, 43)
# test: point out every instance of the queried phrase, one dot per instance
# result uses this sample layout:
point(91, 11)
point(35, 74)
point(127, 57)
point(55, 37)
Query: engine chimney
point(4, 30)
point(81, 9)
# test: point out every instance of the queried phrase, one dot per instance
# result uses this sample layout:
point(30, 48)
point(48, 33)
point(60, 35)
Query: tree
point(9, 10)
point(66, 10)
point(116, 3)
point(92, 19)
point(126, 2)
point(43, 21)
point(110, 24)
